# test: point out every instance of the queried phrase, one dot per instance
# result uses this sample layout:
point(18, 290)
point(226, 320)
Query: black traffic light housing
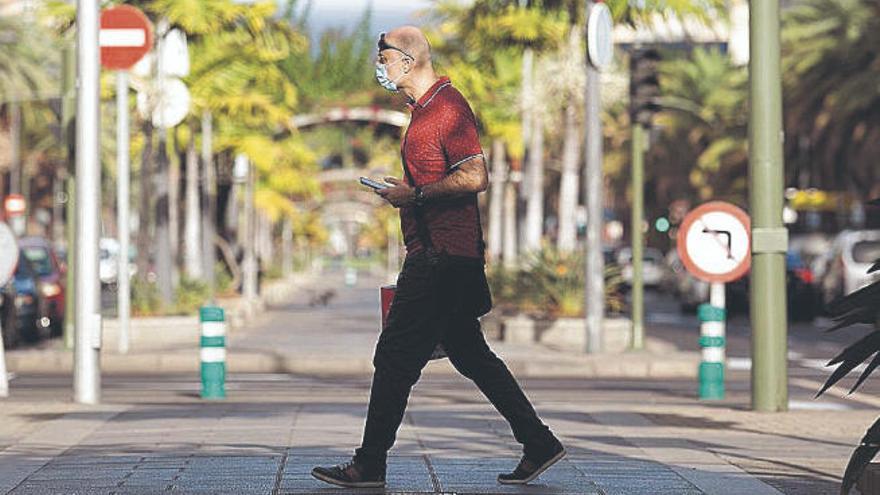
point(644, 87)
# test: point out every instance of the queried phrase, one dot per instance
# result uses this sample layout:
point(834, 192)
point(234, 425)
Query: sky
point(346, 13)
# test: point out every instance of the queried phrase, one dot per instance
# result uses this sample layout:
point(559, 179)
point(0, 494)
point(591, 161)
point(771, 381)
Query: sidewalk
point(298, 390)
point(623, 437)
point(338, 340)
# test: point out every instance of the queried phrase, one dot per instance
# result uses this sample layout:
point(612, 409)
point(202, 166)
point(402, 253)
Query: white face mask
point(383, 79)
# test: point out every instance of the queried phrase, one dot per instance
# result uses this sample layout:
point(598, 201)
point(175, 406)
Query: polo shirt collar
point(429, 95)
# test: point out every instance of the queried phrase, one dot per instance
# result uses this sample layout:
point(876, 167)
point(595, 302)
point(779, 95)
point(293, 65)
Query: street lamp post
point(87, 375)
point(637, 235)
point(594, 292)
point(769, 236)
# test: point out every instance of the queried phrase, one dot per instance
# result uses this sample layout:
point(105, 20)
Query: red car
point(52, 278)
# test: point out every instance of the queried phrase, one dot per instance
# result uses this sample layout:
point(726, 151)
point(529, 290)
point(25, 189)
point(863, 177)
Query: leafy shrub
point(551, 284)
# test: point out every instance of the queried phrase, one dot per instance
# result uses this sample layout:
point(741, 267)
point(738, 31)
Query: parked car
point(108, 260)
point(811, 247)
point(802, 293)
point(804, 299)
point(688, 290)
point(32, 320)
point(652, 266)
point(844, 268)
point(52, 280)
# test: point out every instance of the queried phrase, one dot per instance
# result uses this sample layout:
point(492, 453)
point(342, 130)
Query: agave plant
point(551, 283)
point(860, 307)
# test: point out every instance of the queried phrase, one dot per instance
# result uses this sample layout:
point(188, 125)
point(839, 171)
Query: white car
point(652, 266)
point(846, 264)
point(108, 260)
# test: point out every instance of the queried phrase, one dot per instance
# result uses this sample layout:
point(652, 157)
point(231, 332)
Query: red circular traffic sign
point(125, 37)
point(714, 242)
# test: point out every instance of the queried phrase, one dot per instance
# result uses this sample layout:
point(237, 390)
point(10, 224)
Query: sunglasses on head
point(384, 45)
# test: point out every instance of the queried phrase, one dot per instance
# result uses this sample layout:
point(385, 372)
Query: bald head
point(411, 40)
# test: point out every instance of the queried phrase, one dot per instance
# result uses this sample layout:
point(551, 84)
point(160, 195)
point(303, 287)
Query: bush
point(145, 299)
point(551, 284)
point(189, 296)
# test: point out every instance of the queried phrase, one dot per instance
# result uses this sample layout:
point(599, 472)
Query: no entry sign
point(125, 37)
point(714, 242)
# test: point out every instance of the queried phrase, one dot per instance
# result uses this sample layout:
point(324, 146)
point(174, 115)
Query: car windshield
point(39, 258)
point(866, 251)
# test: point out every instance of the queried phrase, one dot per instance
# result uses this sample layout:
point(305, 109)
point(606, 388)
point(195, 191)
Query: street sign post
point(125, 37)
point(600, 50)
point(714, 244)
point(8, 261)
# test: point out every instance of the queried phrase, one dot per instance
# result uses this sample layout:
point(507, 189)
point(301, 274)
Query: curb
point(602, 366)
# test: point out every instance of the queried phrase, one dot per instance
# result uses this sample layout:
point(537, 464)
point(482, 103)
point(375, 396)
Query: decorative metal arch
point(358, 114)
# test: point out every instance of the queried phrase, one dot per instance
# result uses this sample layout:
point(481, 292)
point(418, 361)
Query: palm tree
point(704, 128)
point(27, 63)
point(831, 58)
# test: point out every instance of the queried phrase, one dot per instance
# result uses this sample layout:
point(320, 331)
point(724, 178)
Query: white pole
point(249, 229)
point(87, 375)
point(209, 209)
point(122, 208)
point(594, 292)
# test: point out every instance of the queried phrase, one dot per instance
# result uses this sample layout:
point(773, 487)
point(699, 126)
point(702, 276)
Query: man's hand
point(399, 195)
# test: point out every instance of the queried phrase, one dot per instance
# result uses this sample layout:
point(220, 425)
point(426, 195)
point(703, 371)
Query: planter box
point(519, 329)
point(153, 332)
point(492, 326)
point(567, 334)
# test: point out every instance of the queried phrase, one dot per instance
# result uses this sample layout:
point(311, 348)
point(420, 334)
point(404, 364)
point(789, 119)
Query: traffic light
point(644, 87)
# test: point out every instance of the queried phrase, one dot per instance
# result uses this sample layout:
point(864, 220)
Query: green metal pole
point(68, 118)
point(637, 341)
point(769, 236)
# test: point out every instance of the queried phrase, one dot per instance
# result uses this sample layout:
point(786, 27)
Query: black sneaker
point(529, 469)
point(351, 475)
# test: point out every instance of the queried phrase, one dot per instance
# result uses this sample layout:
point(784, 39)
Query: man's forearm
point(470, 177)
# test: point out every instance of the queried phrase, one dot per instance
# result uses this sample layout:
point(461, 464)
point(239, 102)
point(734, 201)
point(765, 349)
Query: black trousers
point(417, 321)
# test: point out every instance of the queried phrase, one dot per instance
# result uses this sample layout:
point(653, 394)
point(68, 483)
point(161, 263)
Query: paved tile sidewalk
point(622, 437)
point(625, 436)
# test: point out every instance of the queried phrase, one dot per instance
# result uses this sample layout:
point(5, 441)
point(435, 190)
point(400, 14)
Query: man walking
point(441, 290)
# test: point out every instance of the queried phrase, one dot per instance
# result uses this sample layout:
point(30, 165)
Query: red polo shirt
point(442, 135)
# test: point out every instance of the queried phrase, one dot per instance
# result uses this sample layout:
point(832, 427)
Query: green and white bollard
point(712, 341)
point(213, 352)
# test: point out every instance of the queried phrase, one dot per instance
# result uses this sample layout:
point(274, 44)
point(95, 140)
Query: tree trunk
point(144, 218)
point(164, 264)
point(535, 187)
point(15, 168)
point(568, 186)
point(510, 220)
point(496, 206)
point(209, 206)
point(249, 263)
point(193, 249)
point(287, 247)
point(174, 210)
point(267, 251)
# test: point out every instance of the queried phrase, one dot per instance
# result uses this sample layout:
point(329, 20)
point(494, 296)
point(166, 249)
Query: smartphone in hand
point(373, 184)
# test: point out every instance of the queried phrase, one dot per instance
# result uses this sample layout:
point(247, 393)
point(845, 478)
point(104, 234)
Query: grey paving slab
point(31, 453)
point(480, 475)
point(404, 474)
